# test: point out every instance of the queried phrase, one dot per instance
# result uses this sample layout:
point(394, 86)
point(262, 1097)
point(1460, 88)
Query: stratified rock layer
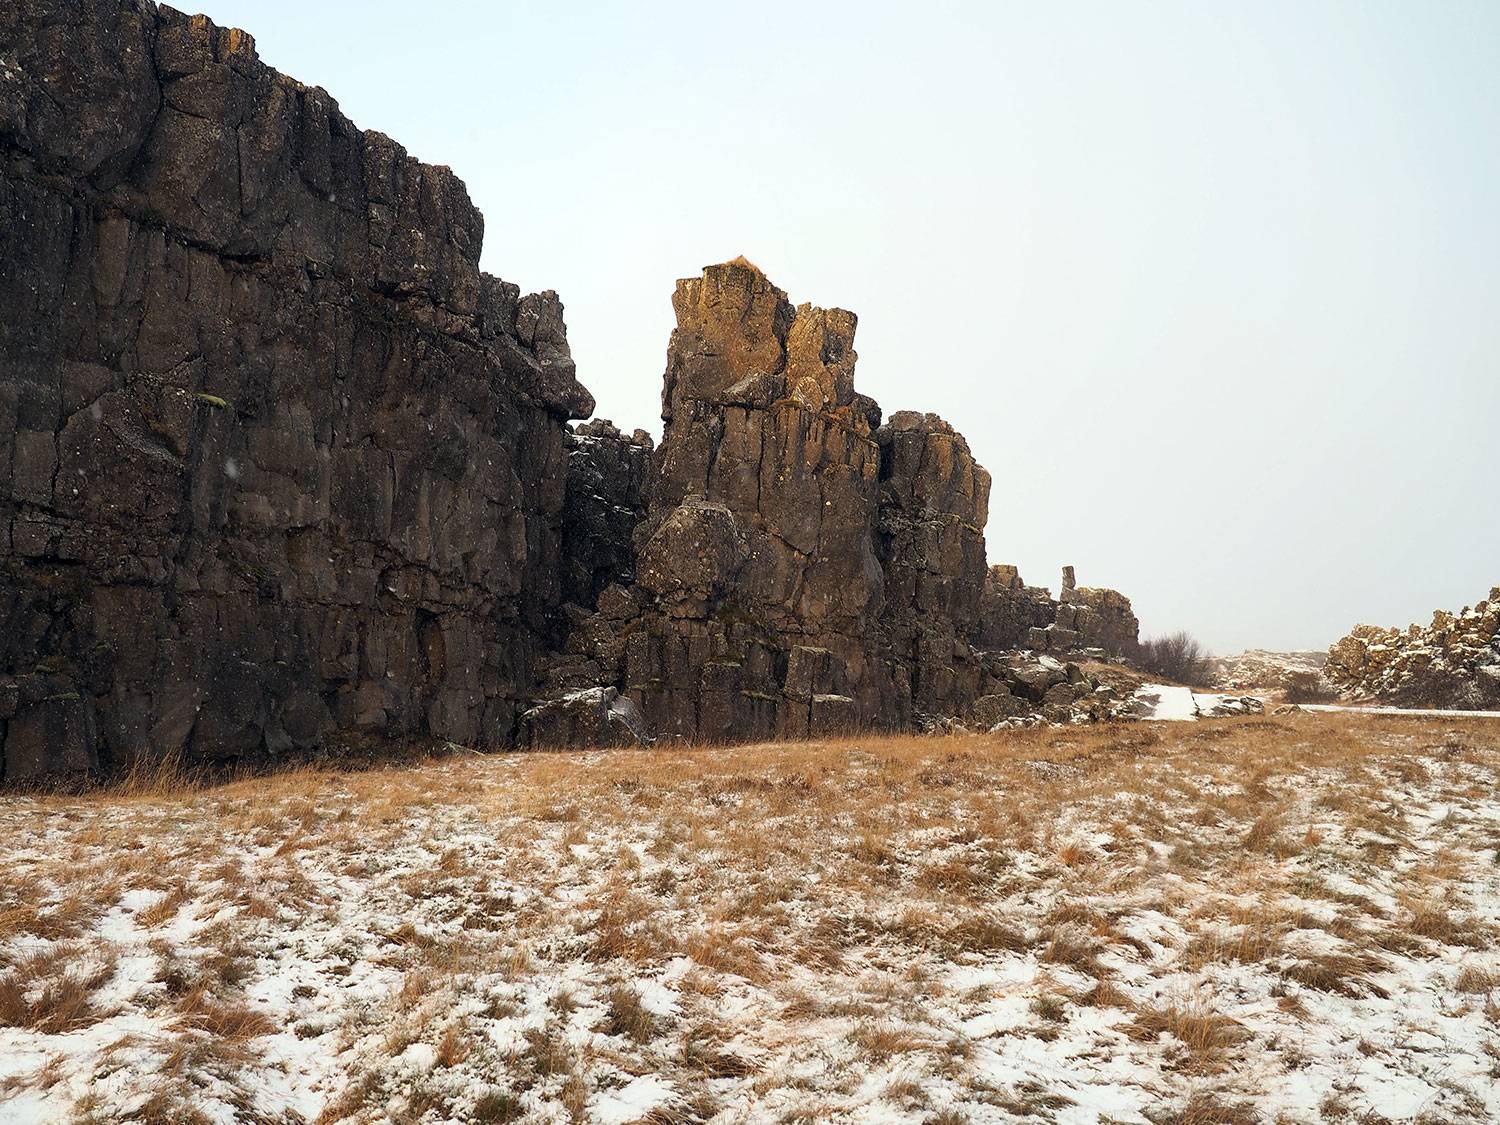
point(276, 458)
point(1452, 663)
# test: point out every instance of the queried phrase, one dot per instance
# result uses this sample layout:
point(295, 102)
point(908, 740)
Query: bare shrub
point(1309, 687)
point(1178, 657)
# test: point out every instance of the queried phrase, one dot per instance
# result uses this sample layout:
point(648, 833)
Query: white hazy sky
point(1213, 289)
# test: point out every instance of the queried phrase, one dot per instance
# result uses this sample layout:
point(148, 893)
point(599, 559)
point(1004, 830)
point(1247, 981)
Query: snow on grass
point(1237, 919)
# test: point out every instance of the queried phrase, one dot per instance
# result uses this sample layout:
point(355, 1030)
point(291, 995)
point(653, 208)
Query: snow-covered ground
point(1419, 712)
point(1288, 918)
point(1173, 704)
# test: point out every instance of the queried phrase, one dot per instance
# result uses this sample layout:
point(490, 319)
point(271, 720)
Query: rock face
point(276, 459)
point(1088, 618)
point(280, 468)
point(934, 501)
point(1452, 663)
point(1010, 609)
point(608, 477)
point(1082, 619)
point(758, 588)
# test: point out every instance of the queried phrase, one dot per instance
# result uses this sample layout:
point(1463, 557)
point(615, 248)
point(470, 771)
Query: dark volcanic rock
point(1088, 618)
point(1009, 609)
point(276, 459)
point(758, 542)
point(934, 500)
point(608, 478)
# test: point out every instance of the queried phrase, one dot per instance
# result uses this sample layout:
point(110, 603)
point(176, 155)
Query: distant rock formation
point(1081, 620)
point(1452, 663)
point(1262, 668)
point(281, 470)
point(1089, 617)
point(1010, 609)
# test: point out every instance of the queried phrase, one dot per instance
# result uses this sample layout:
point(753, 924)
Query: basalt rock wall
point(1010, 609)
point(281, 468)
point(758, 589)
point(278, 463)
point(800, 568)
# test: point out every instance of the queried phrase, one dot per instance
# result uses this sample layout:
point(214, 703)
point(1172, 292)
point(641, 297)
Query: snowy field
point(1231, 920)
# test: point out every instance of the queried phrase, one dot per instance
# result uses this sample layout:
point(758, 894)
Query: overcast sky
point(1213, 289)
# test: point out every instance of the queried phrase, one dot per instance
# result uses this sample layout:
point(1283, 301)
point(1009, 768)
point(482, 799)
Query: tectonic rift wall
point(276, 459)
point(800, 567)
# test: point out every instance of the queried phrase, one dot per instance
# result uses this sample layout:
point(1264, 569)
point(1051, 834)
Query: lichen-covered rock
point(1452, 663)
point(276, 459)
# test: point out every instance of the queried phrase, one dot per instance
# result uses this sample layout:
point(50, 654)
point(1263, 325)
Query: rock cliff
point(802, 568)
point(278, 463)
point(281, 469)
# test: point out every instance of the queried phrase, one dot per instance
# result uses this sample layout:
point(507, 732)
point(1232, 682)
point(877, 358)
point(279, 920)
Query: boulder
point(597, 716)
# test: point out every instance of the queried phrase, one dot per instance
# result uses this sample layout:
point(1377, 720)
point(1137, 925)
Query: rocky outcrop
point(1088, 618)
point(1009, 609)
point(756, 606)
point(278, 463)
point(282, 469)
point(934, 501)
point(1452, 663)
point(1262, 668)
point(1082, 619)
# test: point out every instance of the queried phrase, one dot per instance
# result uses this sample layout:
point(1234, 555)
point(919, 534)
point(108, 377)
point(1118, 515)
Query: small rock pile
point(1452, 663)
point(1029, 688)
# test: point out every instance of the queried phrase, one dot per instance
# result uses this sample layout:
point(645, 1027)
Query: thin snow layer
point(1168, 703)
point(1419, 712)
point(1238, 919)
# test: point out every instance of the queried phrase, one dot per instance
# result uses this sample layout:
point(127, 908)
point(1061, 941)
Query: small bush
point(1179, 657)
point(1309, 687)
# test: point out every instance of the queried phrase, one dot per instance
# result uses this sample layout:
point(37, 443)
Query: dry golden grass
point(1206, 1036)
point(844, 898)
point(54, 992)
